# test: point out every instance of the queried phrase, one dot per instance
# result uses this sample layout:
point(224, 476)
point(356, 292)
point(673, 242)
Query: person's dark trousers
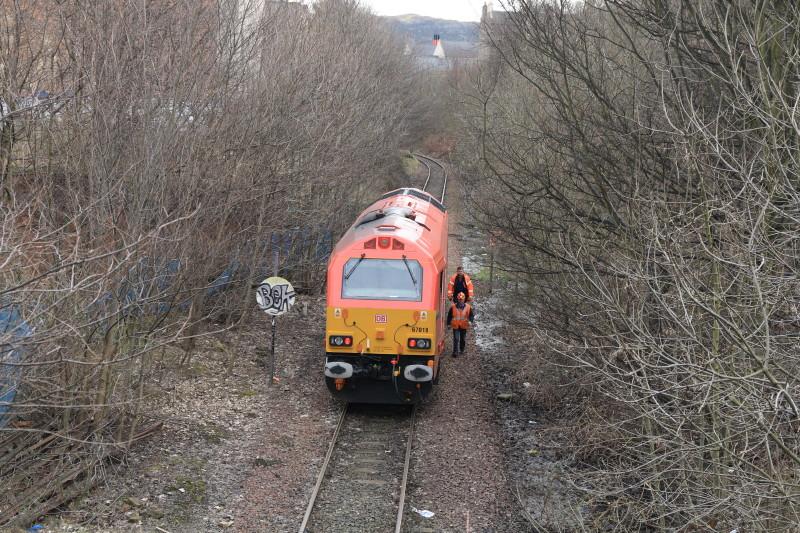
point(459, 340)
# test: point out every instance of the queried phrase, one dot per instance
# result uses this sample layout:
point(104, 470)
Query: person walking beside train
point(460, 282)
point(459, 317)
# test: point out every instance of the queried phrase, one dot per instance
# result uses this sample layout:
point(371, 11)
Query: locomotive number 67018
point(385, 286)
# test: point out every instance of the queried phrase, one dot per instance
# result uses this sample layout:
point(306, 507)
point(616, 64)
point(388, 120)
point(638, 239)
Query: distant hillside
point(422, 28)
point(458, 38)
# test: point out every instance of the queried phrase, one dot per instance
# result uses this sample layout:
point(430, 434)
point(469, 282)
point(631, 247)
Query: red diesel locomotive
point(386, 301)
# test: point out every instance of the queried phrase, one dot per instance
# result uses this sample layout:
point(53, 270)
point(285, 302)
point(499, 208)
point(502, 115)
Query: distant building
point(285, 8)
point(4, 110)
point(436, 59)
point(491, 28)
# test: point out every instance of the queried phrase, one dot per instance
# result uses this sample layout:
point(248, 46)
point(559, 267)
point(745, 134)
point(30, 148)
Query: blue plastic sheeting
point(151, 278)
point(324, 246)
point(147, 278)
point(294, 243)
point(291, 246)
point(224, 280)
point(13, 330)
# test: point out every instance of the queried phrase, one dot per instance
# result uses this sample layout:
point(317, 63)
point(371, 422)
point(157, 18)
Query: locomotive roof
point(416, 193)
point(411, 215)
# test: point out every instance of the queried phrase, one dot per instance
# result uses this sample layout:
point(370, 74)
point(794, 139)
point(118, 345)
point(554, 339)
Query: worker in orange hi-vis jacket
point(459, 317)
point(460, 282)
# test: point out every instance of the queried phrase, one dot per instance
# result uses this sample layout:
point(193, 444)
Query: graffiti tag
point(275, 296)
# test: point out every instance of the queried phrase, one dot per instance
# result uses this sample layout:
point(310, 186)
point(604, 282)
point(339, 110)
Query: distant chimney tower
point(488, 8)
point(438, 51)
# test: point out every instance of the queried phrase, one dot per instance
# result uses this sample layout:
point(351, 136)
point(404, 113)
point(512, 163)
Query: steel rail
point(444, 181)
point(421, 158)
point(324, 470)
point(428, 179)
point(399, 522)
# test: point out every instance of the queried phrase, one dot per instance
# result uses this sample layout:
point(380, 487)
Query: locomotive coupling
point(418, 373)
point(338, 370)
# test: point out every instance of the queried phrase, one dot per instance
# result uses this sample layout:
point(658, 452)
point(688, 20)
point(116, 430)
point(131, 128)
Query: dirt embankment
point(233, 453)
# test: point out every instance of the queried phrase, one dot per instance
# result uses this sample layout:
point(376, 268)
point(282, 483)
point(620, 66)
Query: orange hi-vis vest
point(451, 287)
point(460, 319)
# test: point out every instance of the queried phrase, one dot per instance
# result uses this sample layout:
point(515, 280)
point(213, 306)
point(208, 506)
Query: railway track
point(362, 483)
point(434, 167)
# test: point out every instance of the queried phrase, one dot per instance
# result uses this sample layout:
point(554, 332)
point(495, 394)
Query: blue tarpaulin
point(150, 278)
point(13, 331)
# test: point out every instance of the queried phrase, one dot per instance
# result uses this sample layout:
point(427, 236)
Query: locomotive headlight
point(419, 344)
point(340, 341)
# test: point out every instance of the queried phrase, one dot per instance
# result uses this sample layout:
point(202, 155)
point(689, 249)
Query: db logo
point(380, 319)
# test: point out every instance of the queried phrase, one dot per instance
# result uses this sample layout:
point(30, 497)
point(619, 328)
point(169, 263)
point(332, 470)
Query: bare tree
point(641, 159)
point(178, 146)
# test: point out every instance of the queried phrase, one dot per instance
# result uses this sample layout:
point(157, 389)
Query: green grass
point(195, 488)
point(267, 461)
point(212, 433)
point(410, 165)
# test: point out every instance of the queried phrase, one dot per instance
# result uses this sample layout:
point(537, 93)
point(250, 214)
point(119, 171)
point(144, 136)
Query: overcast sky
point(442, 9)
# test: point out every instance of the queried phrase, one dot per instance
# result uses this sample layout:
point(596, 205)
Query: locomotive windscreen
point(382, 279)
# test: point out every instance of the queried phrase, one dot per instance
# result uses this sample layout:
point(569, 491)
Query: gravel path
point(458, 467)
point(537, 453)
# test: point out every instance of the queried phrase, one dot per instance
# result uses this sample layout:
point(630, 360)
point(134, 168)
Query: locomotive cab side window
point(382, 279)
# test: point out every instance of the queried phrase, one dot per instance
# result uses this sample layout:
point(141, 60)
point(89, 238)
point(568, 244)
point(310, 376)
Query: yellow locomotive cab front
point(381, 331)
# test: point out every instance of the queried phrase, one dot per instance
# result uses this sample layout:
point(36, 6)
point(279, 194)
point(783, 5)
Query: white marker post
point(275, 296)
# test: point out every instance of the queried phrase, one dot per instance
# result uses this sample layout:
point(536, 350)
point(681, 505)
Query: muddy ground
point(238, 455)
